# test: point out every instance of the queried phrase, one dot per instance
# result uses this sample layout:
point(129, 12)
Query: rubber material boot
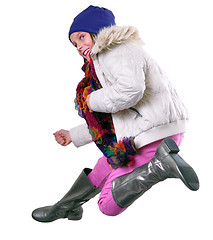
point(165, 164)
point(70, 205)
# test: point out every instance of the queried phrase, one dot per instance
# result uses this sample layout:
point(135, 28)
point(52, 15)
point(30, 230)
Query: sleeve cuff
point(80, 135)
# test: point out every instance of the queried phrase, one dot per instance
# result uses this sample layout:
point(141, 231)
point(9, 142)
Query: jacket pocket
point(136, 111)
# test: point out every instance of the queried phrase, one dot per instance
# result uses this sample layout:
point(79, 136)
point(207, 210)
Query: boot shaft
point(82, 189)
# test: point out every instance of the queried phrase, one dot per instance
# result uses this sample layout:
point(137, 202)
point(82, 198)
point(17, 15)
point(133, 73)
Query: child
point(132, 113)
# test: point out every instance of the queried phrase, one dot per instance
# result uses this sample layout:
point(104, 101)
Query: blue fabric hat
point(92, 20)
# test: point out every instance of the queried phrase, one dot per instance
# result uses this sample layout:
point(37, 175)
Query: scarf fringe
point(123, 153)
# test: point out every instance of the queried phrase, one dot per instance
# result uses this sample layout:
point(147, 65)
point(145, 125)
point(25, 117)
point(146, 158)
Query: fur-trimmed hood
point(115, 35)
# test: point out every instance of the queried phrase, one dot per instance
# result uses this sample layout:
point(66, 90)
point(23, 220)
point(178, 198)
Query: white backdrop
point(39, 73)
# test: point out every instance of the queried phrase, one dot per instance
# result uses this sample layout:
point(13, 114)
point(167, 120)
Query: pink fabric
point(102, 175)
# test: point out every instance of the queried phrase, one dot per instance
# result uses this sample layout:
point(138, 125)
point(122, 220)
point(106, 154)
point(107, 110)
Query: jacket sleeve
point(127, 88)
point(80, 135)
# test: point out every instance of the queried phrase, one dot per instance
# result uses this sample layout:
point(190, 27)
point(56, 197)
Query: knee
point(110, 208)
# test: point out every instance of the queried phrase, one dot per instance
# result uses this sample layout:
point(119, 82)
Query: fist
point(62, 137)
point(88, 103)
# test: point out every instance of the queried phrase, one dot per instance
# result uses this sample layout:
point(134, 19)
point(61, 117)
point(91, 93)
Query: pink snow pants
point(102, 175)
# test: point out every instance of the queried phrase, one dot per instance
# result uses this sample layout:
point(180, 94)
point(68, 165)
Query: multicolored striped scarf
point(101, 128)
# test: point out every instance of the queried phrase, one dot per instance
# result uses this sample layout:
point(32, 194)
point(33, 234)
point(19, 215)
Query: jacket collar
point(115, 35)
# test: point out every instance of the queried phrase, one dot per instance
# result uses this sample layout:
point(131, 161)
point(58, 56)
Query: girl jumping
point(132, 113)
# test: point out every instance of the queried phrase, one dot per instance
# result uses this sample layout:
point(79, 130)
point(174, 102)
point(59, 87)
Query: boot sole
point(185, 172)
point(75, 215)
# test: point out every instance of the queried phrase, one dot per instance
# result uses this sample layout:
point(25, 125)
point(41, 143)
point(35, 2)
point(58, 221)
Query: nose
point(79, 47)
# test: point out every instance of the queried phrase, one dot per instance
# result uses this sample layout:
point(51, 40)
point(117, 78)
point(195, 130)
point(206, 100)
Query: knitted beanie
point(92, 20)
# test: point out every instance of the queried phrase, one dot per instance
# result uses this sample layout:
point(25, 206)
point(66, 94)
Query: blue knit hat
point(92, 20)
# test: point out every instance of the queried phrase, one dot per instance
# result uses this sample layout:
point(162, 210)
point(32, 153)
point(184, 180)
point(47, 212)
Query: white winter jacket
point(137, 93)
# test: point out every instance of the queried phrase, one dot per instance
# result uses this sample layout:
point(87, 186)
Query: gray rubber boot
point(70, 205)
point(165, 164)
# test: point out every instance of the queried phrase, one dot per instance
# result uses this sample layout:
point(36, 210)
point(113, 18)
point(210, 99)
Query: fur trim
point(115, 35)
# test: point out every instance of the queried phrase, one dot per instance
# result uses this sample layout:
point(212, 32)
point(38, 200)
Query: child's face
point(83, 42)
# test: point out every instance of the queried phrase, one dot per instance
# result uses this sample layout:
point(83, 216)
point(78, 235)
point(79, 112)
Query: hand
point(88, 103)
point(63, 137)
